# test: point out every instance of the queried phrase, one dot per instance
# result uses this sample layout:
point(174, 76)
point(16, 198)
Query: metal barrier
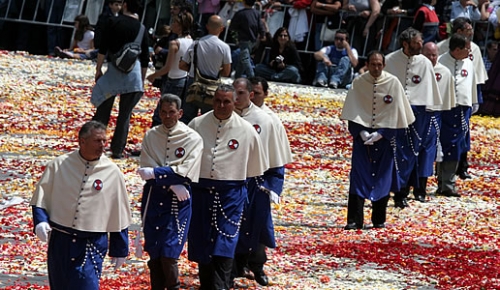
point(61, 14)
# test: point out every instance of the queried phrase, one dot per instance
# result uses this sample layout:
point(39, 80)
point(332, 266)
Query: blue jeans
point(430, 33)
point(125, 107)
point(169, 86)
point(339, 74)
point(290, 74)
point(244, 65)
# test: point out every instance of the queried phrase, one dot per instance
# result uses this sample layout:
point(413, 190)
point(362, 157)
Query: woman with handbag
point(284, 64)
point(173, 78)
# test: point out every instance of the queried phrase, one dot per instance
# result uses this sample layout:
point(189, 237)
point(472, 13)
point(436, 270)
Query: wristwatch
point(323, 5)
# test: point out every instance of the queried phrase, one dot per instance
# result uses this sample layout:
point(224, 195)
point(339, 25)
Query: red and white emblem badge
point(257, 128)
point(416, 79)
point(388, 99)
point(179, 152)
point(438, 77)
point(233, 144)
point(464, 73)
point(98, 185)
point(471, 57)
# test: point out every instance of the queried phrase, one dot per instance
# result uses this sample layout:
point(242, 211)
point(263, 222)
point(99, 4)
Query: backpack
point(124, 59)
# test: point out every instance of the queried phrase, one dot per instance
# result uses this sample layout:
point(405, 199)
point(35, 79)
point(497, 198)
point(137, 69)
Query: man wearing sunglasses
point(335, 62)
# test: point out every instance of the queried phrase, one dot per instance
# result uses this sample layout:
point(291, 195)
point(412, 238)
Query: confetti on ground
point(445, 243)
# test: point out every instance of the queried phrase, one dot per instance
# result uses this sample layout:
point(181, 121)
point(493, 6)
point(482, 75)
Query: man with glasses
point(335, 62)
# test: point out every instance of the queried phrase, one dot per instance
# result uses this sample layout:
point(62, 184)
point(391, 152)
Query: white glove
point(475, 108)
point(364, 135)
point(42, 231)
point(146, 173)
point(273, 196)
point(181, 191)
point(117, 262)
point(374, 137)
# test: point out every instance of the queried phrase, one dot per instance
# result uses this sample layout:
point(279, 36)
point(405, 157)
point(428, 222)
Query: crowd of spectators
point(297, 28)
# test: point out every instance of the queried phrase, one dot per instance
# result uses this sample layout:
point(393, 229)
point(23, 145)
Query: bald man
point(445, 82)
point(213, 60)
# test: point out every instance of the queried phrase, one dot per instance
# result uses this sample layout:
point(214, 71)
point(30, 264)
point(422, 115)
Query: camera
point(279, 59)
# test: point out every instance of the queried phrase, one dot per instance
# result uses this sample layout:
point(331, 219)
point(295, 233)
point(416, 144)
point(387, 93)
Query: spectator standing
point(221, 192)
point(54, 12)
point(284, 64)
point(416, 146)
point(324, 11)
point(213, 61)
point(468, 9)
point(80, 198)
point(336, 62)
point(491, 104)
point(427, 22)
point(173, 78)
point(170, 161)
point(248, 25)
point(455, 122)
point(491, 52)
point(400, 18)
point(375, 107)
point(206, 9)
point(365, 14)
point(114, 6)
point(130, 86)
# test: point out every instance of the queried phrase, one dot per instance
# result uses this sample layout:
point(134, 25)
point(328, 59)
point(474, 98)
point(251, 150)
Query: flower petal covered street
point(444, 243)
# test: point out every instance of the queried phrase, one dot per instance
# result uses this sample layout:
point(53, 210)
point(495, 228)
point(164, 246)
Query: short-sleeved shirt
point(212, 53)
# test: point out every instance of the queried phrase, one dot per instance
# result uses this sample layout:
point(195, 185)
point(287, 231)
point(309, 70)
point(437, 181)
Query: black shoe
point(261, 278)
point(353, 226)
point(401, 203)
point(449, 193)
point(245, 272)
point(420, 198)
point(464, 175)
point(378, 226)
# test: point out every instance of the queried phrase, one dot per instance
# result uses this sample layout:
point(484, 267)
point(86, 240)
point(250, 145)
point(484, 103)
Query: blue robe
point(167, 219)
point(75, 257)
point(223, 201)
point(257, 224)
point(454, 130)
point(372, 166)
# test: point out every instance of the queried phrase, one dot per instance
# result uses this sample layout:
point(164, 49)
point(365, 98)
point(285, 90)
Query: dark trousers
point(257, 259)
point(164, 273)
point(463, 165)
point(216, 275)
point(355, 206)
point(103, 112)
point(254, 261)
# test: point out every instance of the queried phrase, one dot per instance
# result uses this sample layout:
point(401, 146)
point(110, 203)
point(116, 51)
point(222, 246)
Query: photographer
point(284, 64)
